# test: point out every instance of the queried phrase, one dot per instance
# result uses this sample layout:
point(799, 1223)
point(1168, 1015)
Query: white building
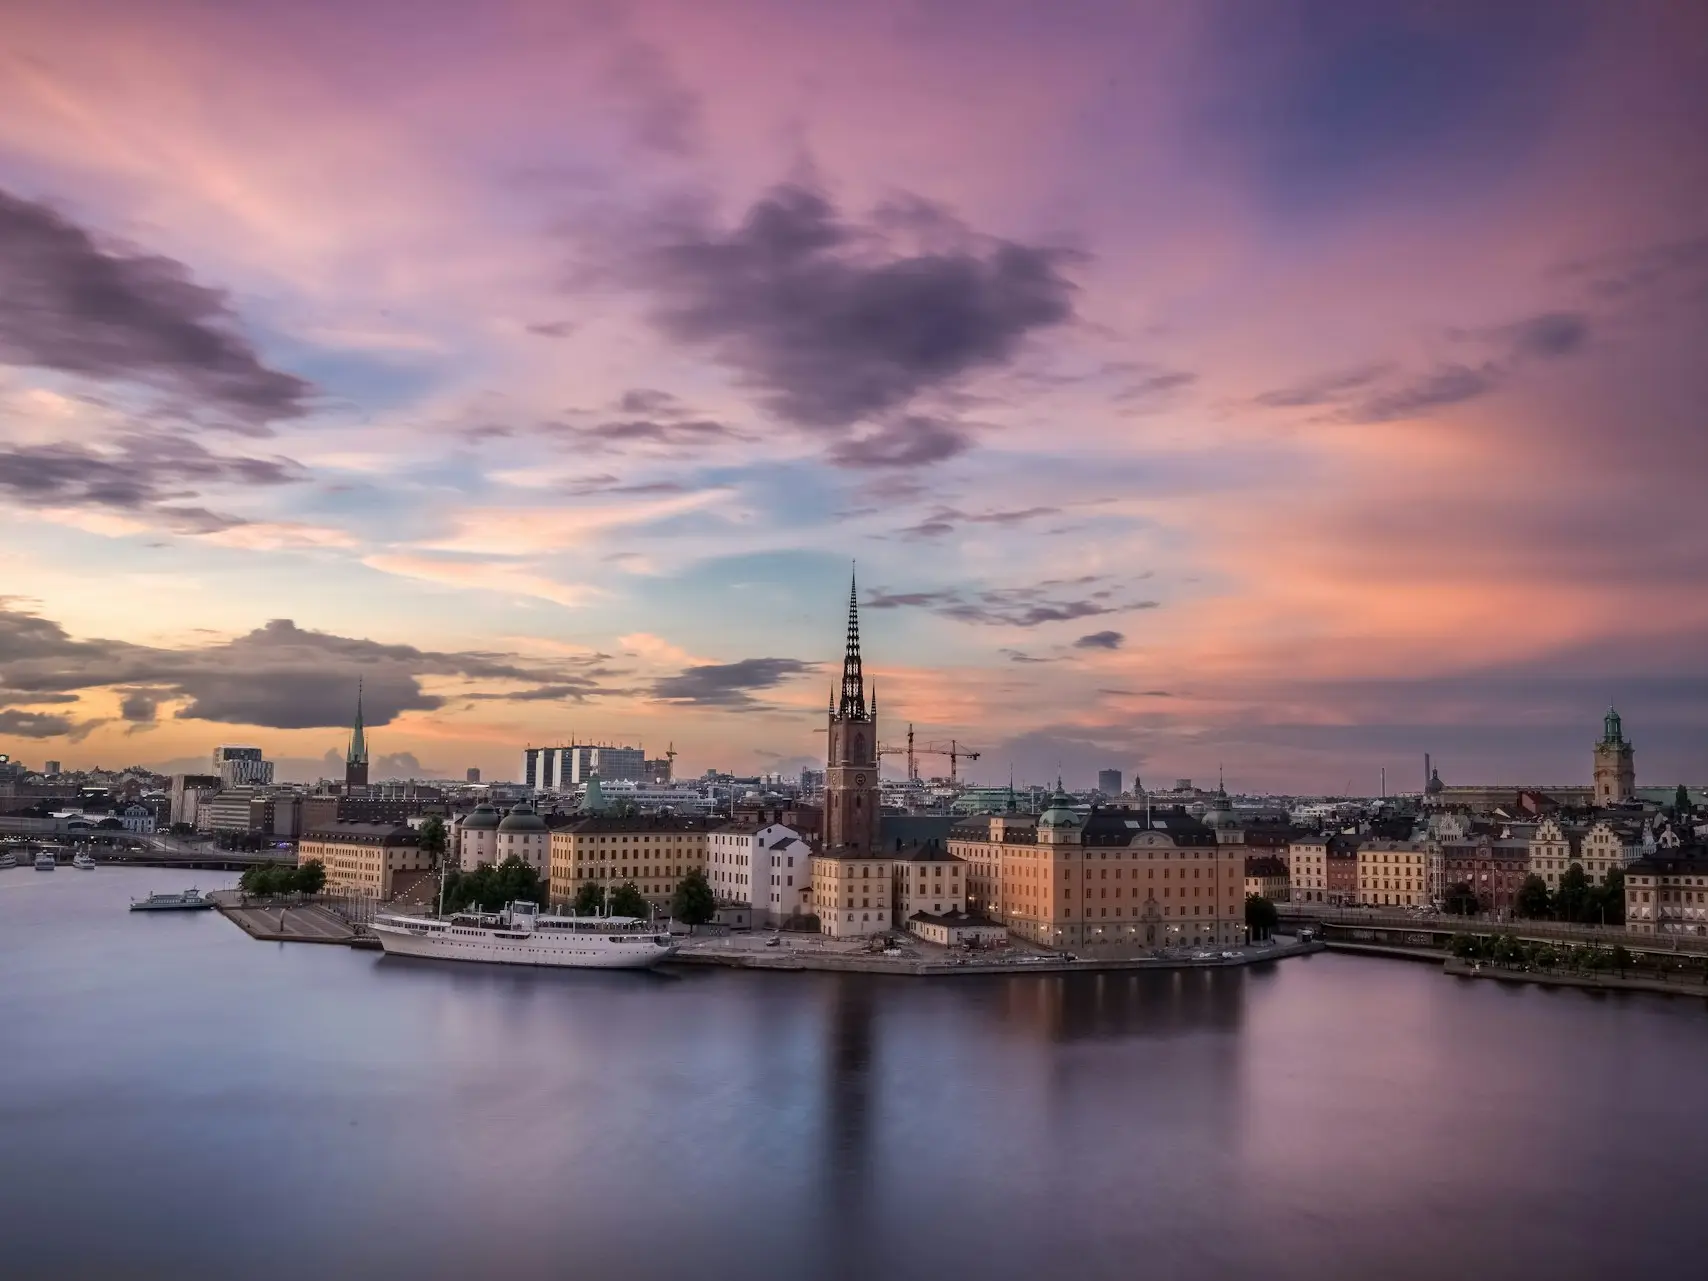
point(474, 837)
point(138, 820)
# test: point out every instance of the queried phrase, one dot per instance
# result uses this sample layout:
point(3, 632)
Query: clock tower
point(851, 769)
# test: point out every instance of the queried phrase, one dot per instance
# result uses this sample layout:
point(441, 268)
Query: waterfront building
point(1494, 868)
point(1615, 764)
point(245, 810)
point(1667, 893)
point(187, 793)
point(1322, 867)
point(474, 837)
point(1268, 875)
point(1392, 874)
point(978, 842)
point(1122, 879)
point(523, 834)
point(356, 757)
point(138, 820)
point(953, 929)
point(364, 858)
point(851, 878)
point(760, 865)
point(929, 880)
point(652, 850)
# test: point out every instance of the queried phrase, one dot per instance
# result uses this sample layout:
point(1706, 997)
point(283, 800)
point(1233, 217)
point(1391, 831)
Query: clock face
point(859, 780)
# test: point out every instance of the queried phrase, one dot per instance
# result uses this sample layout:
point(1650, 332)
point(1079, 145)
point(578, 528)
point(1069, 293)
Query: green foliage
point(694, 903)
point(1611, 904)
point(1572, 899)
point(1533, 900)
point(1620, 958)
point(589, 899)
point(1462, 900)
point(626, 900)
point(1468, 947)
point(490, 888)
point(1261, 917)
point(264, 879)
point(434, 838)
point(1508, 951)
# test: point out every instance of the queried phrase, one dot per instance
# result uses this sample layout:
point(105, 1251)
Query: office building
point(1109, 782)
point(364, 858)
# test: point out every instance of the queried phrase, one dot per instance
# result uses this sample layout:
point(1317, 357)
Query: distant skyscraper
point(51, 768)
point(356, 759)
point(242, 767)
point(474, 775)
point(1109, 782)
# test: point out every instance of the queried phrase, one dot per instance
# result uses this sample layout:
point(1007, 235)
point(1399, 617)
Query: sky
point(1284, 389)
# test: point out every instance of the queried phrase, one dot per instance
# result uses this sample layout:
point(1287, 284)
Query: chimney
point(1426, 771)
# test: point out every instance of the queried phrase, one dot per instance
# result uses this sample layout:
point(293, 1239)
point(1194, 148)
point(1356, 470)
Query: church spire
point(358, 753)
point(853, 705)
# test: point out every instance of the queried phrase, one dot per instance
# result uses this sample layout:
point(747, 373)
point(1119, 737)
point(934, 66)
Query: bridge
point(1375, 928)
point(165, 853)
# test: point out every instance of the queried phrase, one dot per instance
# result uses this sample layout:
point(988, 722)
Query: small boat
point(84, 862)
point(187, 901)
point(45, 862)
point(8, 859)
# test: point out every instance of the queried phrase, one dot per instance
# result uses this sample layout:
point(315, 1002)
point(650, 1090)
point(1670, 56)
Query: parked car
point(1230, 956)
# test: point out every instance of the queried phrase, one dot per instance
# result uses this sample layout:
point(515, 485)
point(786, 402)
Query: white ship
point(521, 935)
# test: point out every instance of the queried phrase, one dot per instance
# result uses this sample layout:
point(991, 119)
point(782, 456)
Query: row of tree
point(1505, 950)
point(1577, 898)
point(492, 886)
point(282, 878)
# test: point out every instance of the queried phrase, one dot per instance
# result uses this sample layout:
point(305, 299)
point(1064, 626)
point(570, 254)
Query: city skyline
point(1191, 387)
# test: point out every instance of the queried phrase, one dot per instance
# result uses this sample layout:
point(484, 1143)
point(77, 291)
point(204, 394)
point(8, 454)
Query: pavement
point(308, 924)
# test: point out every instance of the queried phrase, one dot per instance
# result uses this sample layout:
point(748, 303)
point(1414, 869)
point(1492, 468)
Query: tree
point(1572, 901)
point(434, 839)
point(1533, 897)
point(1609, 899)
point(1462, 900)
point(694, 903)
point(626, 900)
point(590, 899)
point(1508, 950)
point(310, 877)
point(1681, 801)
point(490, 888)
point(1261, 917)
point(1620, 958)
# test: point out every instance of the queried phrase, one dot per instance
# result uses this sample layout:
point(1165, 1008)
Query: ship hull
point(565, 951)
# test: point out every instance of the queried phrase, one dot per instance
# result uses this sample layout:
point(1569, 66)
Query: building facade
point(978, 842)
point(928, 880)
point(1494, 869)
point(1392, 874)
point(1267, 875)
point(364, 858)
point(1668, 893)
point(1608, 845)
point(1554, 847)
point(653, 851)
point(1615, 763)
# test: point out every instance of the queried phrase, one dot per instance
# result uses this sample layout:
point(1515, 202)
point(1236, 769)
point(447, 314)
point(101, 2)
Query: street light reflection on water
point(187, 1102)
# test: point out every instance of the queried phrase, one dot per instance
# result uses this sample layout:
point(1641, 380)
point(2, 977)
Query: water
point(181, 1101)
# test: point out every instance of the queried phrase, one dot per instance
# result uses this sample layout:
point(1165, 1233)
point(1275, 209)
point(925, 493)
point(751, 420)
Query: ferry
point(83, 862)
point(187, 901)
point(45, 862)
point(522, 935)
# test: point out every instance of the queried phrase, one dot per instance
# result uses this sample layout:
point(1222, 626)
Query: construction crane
point(913, 751)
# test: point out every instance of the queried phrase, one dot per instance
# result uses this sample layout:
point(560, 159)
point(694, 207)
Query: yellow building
point(1607, 846)
point(1667, 894)
point(1119, 879)
point(929, 880)
point(1392, 874)
point(978, 842)
point(1307, 868)
point(1554, 847)
point(1266, 875)
point(364, 858)
point(851, 894)
point(653, 851)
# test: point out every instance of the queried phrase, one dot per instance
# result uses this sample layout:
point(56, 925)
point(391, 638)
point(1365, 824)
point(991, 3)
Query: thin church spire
point(853, 705)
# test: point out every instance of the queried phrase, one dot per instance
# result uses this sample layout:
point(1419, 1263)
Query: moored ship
point(186, 901)
point(522, 935)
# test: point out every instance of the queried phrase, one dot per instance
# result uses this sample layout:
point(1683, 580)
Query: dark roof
point(956, 919)
point(600, 824)
point(1265, 865)
point(923, 854)
point(1686, 860)
point(383, 833)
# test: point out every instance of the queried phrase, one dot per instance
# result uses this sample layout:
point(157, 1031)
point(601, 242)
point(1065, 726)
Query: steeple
point(1612, 731)
point(853, 705)
point(358, 753)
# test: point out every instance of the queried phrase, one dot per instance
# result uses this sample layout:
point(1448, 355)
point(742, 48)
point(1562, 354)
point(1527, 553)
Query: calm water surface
point(181, 1101)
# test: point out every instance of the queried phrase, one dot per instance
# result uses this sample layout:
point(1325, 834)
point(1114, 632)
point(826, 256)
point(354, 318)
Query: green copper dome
point(522, 819)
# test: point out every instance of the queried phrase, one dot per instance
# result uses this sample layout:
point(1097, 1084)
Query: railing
point(1441, 922)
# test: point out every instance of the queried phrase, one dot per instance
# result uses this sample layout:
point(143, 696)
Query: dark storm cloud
point(140, 706)
point(728, 684)
point(139, 474)
point(912, 441)
point(35, 724)
point(1011, 606)
point(834, 324)
point(67, 303)
point(1100, 640)
point(280, 675)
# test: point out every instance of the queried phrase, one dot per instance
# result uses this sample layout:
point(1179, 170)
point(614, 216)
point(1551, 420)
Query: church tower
point(356, 759)
point(1615, 764)
point(851, 769)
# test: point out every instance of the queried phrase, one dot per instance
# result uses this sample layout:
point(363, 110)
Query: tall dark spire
point(853, 705)
point(358, 754)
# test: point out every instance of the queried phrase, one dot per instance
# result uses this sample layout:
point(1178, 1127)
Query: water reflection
point(185, 1102)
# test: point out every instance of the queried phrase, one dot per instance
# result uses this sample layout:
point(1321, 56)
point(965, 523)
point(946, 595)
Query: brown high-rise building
point(851, 768)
